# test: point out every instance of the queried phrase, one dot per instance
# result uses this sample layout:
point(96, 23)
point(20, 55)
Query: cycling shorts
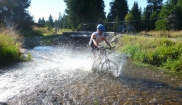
point(93, 47)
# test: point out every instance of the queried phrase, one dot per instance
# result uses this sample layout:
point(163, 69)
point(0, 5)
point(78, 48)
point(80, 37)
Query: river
point(59, 75)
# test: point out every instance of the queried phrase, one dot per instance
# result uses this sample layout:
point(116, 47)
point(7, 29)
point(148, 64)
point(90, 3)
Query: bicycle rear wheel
point(109, 66)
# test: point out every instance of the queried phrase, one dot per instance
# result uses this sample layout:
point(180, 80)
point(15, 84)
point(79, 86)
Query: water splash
point(48, 65)
point(47, 62)
point(63, 73)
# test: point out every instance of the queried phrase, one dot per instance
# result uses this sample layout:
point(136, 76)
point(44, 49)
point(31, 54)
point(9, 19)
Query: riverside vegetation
point(162, 49)
point(11, 42)
point(43, 31)
point(10, 47)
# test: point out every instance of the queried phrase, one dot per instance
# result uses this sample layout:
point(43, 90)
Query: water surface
point(63, 75)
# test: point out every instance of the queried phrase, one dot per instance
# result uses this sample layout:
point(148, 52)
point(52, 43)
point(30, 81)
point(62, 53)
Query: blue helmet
point(100, 27)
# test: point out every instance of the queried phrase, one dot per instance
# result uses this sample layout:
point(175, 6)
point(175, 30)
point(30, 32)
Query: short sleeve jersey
point(98, 38)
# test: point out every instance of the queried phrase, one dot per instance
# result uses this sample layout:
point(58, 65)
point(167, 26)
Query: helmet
point(101, 27)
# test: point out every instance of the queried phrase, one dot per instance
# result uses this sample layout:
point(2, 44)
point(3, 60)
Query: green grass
point(9, 49)
point(9, 46)
point(42, 31)
point(159, 52)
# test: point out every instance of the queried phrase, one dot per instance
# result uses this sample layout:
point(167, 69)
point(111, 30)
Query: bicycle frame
point(102, 54)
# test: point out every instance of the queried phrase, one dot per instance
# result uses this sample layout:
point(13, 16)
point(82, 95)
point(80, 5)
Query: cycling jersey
point(98, 38)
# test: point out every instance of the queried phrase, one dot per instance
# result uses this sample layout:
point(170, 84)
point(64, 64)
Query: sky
point(45, 8)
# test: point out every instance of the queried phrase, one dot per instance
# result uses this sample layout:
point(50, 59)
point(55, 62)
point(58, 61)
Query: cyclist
point(96, 38)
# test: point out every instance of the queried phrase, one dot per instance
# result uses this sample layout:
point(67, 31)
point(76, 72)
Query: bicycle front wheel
point(109, 66)
point(96, 64)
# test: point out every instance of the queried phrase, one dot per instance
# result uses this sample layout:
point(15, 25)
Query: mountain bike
point(102, 64)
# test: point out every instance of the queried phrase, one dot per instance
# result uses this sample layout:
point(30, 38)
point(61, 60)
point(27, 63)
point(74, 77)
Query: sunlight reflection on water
point(47, 63)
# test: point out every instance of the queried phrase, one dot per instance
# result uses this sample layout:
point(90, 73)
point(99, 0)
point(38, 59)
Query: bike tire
point(109, 66)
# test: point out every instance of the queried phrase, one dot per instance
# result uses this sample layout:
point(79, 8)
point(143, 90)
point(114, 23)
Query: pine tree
point(145, 21)
point(136, 15)
point(154, 5)
point(15, 12)
point(153, 8)
point(65, 22)
point(39, 21)
point(43, 20)
point(83, 11)
point(50, 20)
point(118, 7)
point(179, 11)
point(166, 10)
point(59, 20)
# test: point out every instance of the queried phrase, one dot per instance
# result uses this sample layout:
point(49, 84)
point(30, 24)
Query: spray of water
point(47, 62)
point(48, 65)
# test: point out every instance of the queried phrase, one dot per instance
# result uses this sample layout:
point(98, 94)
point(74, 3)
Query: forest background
point(83, 15)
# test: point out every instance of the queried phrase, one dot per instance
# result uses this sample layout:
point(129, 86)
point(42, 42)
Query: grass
point(37, 31)
point(41, 35)
point(159, 52)
point(9, 46)
point(43, 31)
point(163, 33)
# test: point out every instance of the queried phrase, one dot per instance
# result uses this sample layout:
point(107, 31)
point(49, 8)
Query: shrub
point(9, 47)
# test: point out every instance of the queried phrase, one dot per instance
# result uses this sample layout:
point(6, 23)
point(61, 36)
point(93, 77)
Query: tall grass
point(9, 47)
point(163, 33)
point(160, 52)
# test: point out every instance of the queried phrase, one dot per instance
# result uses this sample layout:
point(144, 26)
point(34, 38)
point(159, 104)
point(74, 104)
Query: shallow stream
point(63, 75)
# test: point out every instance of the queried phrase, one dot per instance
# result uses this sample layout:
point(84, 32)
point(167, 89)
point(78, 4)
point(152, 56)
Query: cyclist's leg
point(96, 60)
point(101, 51)
point(94, 49)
